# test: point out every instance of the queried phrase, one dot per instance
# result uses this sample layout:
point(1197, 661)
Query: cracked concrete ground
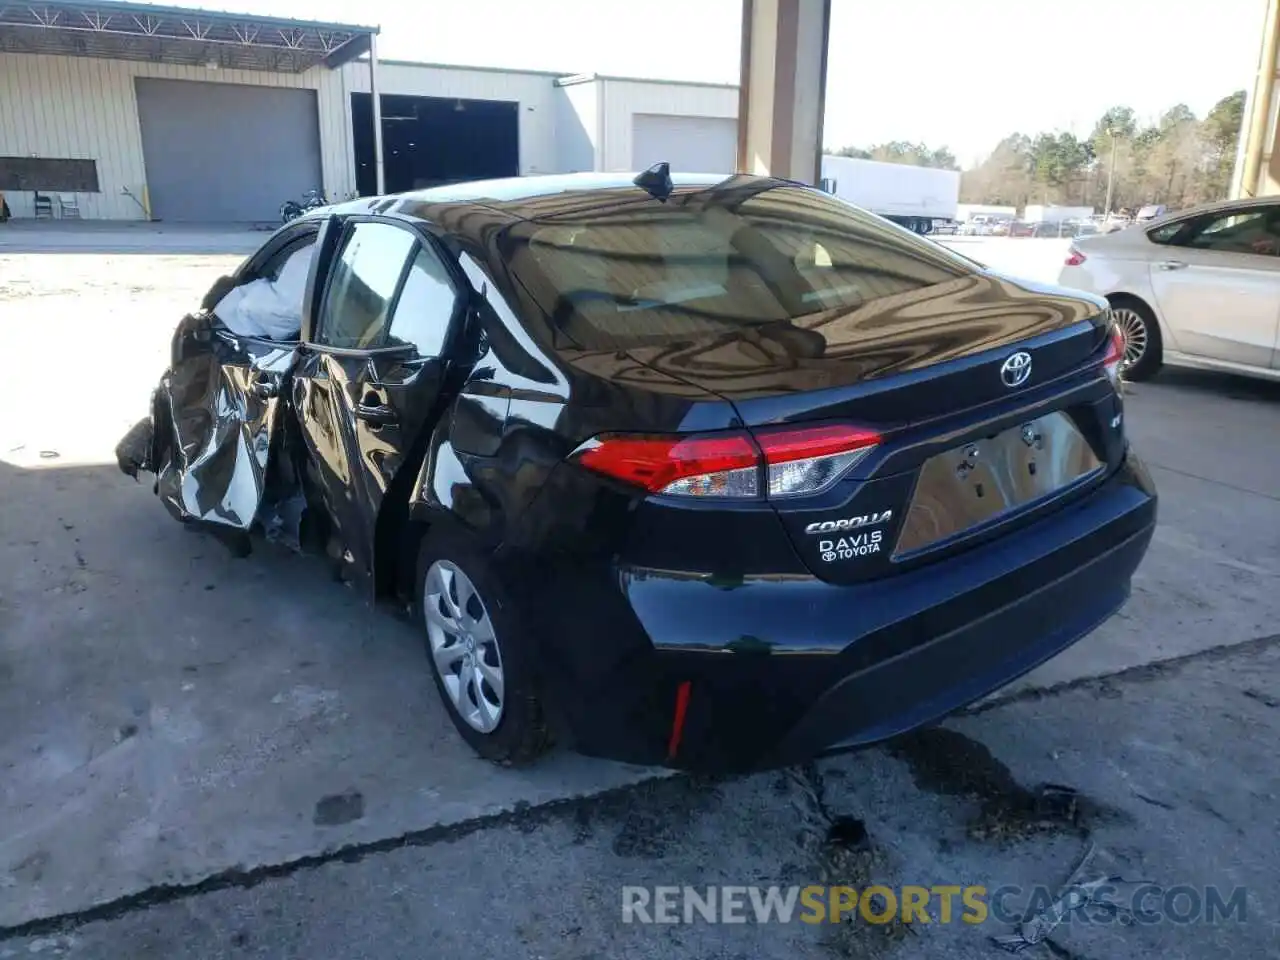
point(1178, 770)
point(170, 717)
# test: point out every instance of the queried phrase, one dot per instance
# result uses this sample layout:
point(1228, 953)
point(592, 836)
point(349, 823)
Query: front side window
point(362, 286)
point(649, 274)
point(1253, 230)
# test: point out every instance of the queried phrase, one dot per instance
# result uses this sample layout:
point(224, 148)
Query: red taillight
point(678, 718)
point(1114, 357)
point(789, 460)
point(781, 445)
point(1075, 257)
point(657, 463)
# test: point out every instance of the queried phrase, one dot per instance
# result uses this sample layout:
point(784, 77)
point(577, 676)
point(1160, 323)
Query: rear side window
point(1166, 233)
point(425, 306)
point(646, 273)
point(364, 279)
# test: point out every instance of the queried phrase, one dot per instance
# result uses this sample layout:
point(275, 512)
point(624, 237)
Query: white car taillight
point(793, 460)
point(810, 459)
point(1075, 257)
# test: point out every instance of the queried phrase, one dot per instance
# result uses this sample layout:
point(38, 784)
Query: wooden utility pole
point(1111, 171)
point(1258, 119)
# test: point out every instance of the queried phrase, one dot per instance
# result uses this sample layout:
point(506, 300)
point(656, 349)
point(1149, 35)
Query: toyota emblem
point(1015, 371)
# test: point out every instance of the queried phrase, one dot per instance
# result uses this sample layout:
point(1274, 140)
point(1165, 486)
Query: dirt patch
point(946, 762)
point(339, 808)
point(650, 819)
point(844, 853)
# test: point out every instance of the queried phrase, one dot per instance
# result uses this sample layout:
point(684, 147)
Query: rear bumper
point(782, 670)
point(964, 665)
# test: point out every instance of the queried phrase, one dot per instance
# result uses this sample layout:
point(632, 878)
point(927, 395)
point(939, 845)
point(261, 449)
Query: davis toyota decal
point(846, 548)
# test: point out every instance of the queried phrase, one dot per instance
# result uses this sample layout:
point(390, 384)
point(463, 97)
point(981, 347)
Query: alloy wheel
point(463, 645)
point(1134, 330)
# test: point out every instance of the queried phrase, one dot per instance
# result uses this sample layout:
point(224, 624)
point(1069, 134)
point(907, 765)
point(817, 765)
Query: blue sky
point(957, 72)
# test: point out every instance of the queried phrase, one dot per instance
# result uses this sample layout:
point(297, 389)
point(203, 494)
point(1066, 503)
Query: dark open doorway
point(432, 140)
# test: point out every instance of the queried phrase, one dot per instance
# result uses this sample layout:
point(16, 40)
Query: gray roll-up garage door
point(218, 152)
point(689, 144)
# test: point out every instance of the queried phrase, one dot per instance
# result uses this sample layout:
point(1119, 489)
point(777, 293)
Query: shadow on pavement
point(169, 713)
point(1231, 385)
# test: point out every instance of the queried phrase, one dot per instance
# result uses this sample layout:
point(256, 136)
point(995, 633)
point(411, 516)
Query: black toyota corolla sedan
point(717, 473)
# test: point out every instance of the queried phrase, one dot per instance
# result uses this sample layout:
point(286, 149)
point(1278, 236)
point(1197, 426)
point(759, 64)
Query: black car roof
point(526, 198)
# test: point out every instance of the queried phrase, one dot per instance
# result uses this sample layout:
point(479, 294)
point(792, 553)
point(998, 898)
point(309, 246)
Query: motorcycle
point(311, 200)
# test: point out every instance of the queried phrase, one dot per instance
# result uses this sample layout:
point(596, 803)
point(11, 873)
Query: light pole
point(1111, 172)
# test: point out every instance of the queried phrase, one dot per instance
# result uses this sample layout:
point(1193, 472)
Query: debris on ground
point(1077, 893)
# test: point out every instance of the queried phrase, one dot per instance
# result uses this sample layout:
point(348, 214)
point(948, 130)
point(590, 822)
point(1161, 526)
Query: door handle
point(1171, 265)
point(378, 414)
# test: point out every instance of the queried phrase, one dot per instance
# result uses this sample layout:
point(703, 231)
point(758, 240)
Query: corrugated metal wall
point(578, 125)
point(623, 99)
point(535, 92)
point(86, 108)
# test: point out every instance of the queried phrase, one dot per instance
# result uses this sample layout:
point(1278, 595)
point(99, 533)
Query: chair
point(44, 206)
point(69, 206)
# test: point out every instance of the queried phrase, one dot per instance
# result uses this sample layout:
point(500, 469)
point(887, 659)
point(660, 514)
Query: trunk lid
point(800, 311)
point(967, 451)
point(887, 363)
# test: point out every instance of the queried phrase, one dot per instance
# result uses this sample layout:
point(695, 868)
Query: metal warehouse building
point(132, 110)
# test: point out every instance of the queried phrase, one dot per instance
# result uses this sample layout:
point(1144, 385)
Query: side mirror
point(327, 242)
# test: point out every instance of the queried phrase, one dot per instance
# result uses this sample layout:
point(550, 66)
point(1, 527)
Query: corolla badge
point(850, 523)
point(1015, 371)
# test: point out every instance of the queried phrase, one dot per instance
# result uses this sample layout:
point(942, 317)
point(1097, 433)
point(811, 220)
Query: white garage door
point(689, 144)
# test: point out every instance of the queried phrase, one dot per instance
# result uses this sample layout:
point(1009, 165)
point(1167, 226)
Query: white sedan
point(1198, 288)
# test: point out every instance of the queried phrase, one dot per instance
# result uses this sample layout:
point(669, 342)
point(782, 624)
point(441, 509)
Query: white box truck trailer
point(1044, 213)
point(911, 196)
point(966, 212)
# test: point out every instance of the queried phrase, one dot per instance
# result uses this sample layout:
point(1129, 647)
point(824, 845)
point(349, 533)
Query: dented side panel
point(216, 414)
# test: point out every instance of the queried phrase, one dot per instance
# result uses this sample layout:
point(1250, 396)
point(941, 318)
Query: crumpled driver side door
point(219, 408)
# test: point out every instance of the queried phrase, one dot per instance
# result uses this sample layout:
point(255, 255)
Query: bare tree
point(1177, 160)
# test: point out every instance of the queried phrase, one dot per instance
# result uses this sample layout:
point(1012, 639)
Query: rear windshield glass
point(647, 273)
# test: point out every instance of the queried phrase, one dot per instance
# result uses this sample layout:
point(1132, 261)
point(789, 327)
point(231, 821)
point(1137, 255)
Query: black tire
point(1152, 356)
point(521, 734)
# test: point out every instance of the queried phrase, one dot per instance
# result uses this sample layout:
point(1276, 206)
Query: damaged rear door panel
point(300, 390)
point(373, 374)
